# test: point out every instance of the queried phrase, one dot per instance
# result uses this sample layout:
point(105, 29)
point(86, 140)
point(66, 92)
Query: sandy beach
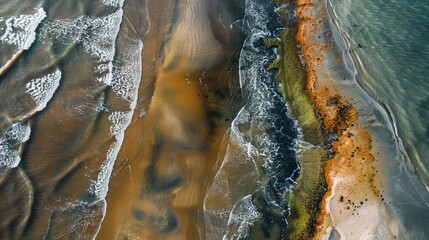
point(202, 119)
point(172, 145)
point(356, 203)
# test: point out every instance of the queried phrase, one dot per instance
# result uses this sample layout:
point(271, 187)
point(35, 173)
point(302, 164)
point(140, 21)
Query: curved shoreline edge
point(354, 60)
point(355, 163)
point(304, 200)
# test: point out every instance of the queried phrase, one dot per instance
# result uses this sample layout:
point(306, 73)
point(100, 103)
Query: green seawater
point(390, 41)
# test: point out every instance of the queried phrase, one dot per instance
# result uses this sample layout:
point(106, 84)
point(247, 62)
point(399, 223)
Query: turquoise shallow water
point(390, 40)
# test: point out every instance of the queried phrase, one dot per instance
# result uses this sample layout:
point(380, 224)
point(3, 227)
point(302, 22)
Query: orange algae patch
point(352, 158)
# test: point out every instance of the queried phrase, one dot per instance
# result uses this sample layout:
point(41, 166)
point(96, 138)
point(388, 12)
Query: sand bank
point(356, 203)
point(171, 147)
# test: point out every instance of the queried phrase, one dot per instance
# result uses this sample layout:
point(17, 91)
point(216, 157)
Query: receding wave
point(197, 119)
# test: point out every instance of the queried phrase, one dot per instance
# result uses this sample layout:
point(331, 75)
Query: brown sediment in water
point(169, 155)
point(351, 172)
point(124, 180)
point(170, 151)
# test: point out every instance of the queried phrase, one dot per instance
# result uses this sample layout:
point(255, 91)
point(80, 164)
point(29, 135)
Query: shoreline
point(351, 133)
point(352, 172)
point(402, 183)
point(368, 160)
point(357, 67)
point(311, 185)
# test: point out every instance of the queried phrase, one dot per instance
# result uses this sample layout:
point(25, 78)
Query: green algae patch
point(298, 227)
point(292, 77)
point(304, 200)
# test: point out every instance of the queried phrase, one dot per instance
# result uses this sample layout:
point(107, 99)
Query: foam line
point(43, 89)
point(21, 30)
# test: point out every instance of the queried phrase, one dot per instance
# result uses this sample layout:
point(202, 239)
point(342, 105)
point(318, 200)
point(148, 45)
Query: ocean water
point(119, 118)
point(389, 40)
point(128, 119)
point(69, 82)
point(260, 165)
point(388, 66)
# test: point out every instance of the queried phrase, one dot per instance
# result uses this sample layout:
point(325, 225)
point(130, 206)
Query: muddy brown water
point(170, 154)
point(187, 96)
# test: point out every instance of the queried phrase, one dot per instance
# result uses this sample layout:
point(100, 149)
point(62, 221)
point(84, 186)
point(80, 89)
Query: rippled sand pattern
point(102, 131)
point(146, 119)
point(168, 175)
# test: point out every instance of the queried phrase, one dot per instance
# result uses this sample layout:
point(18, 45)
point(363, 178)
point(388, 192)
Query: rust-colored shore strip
point(352, 157)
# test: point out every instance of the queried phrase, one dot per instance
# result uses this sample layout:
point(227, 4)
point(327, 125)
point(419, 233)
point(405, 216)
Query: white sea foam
point(96, 34)
point(9, 157)
point(244, 215)
point(103, 67)
point(106, 70)
point(127, 70)
point(126, 76)
point(11, 143)
point(21, 30)
point(43, 89)
point(105, 79)
point(19, 132)
point(119, 123)
point(258, 138)
point(113, 3)
point(100, 38)
point(99, 187)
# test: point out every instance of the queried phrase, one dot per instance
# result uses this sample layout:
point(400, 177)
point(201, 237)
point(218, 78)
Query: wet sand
point(170, 152)
point(56, 184)
point(82, 110)
point(352, 207)
point(358, 203)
